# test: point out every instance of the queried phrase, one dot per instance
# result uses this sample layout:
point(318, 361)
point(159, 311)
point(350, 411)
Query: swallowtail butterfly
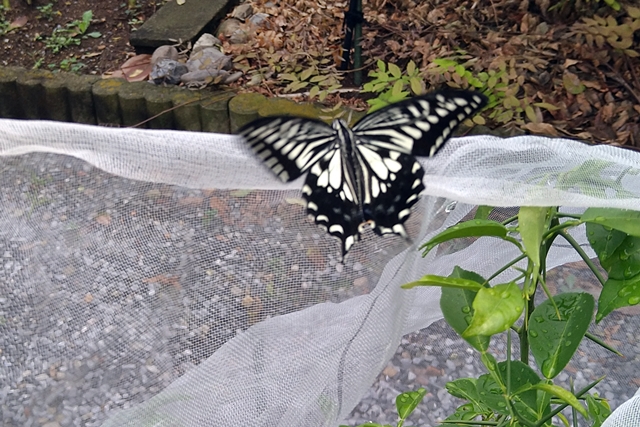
point(367, 174)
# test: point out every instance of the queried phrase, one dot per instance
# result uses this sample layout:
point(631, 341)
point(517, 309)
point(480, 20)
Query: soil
point(25, 46)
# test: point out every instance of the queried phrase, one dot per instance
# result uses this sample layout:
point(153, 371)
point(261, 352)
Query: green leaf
point(381, 65)
point(288, 76)
point(444, 282)
point(523, 396)
point(554, 335)
point(496, 309)
point(466, 412)
point(307, 73)
point(457, 307)
point(483, 212)
point(473, 228)
point(532, 223)
point(411, 68)
point(397, 89)
point(314, 92)
point(416, 85)
point(627, 221)
point(320, 78)
point(617, 294)
point(408, 401)
point(619, 254)
point(598, 409)
point(605, 242)
point(94, 34)
point(491, 394)
point(563, 395)
point(395, 70)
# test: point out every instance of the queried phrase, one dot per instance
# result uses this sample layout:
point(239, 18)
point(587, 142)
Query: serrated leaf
point(411, 68)
point(397, 88)
point(556, 330)
point(546, 106)
point(315, 90)
point(633, 12)
point(416, 85)
point(307, 73)
point(395, 71)
point(319, 78)
point(288, 77)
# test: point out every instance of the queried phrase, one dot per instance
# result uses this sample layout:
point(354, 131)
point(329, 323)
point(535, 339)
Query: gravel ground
point(75, 307)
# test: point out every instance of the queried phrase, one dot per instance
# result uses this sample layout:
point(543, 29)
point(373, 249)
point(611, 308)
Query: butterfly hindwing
point(392, 184)
point(289, 146)
point(331, 195)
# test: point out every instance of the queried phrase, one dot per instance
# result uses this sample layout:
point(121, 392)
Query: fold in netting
point(158, 288)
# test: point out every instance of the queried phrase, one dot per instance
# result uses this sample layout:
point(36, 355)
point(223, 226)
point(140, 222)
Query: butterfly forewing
point(289, 146)
point(420, 125)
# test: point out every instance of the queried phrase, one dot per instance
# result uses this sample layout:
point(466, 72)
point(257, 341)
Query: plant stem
point(506, 267)
point(524, 336)
point(584, 256)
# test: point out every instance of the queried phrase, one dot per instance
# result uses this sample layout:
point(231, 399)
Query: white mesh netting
point(157, 278)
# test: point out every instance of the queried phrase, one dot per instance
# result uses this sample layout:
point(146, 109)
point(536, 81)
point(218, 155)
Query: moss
point(286, 107)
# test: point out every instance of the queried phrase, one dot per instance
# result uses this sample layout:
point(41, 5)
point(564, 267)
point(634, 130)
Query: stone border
point(68, 97)
point(43, 95)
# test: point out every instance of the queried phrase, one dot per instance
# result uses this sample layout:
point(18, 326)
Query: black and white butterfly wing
point(332, 198)
point(386, 142)
point(392, 183)
point(419, 125)
point(289, 146)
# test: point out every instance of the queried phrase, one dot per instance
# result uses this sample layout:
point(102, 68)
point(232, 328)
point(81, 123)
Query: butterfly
point(365, 174)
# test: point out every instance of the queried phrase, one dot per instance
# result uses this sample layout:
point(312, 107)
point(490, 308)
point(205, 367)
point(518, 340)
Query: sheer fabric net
point(160, 278)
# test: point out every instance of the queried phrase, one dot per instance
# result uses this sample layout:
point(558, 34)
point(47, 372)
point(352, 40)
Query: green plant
point(392, 85)
point(71, 34)
point(68, 64)
point(406, 403)
point(47, 11)
point(512, 393)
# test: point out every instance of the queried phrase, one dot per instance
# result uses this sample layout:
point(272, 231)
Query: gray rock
point(209, 58)
point(164, 52)
point(259, 19)
point(233, 30)
point(242, 12)
point(205, 40)
point(167, 71)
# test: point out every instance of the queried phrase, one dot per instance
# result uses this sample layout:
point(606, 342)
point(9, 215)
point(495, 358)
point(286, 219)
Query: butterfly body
point(366, 174)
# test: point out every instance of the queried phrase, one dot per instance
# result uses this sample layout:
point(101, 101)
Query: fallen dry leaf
point(541, 129)
point(137, 68)
point(20, 21)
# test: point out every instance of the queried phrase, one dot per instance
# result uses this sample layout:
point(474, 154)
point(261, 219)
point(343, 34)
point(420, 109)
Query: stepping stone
point(179, 22)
